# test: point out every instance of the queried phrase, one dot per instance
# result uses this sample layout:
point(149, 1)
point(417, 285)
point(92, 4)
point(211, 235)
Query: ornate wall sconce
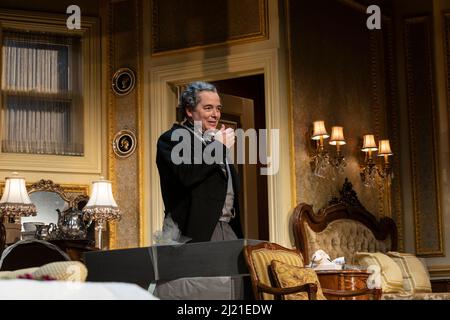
point(337, 139)
point(370, 171)
point(321, 162)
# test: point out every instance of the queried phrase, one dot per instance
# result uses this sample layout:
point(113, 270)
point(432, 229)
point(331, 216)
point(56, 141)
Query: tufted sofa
point(344, 237)
point(342, 230)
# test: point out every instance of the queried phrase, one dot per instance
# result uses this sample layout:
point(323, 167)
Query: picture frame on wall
point(124, 81)
point(124, 143)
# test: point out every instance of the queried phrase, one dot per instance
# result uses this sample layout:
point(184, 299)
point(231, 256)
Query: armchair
point(260, 260)
point(30, 253)
point(259, 257)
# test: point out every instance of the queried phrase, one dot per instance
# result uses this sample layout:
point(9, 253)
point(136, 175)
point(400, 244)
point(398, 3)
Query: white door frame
point(160, 115)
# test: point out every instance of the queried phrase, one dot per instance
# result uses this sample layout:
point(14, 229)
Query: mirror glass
point(46, 204)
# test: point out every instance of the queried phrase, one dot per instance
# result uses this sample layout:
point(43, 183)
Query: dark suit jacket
point(194, 194)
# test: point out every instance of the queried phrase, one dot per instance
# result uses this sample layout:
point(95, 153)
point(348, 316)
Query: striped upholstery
point(262, 259)
point(415, 274)
point(391, 275)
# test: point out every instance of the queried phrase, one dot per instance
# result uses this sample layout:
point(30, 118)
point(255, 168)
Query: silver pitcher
point(45, 232)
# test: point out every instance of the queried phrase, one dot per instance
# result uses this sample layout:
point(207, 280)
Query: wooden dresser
point(344, 280)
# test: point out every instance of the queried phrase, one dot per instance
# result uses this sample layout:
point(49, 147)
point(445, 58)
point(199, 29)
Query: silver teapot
point(71, 224)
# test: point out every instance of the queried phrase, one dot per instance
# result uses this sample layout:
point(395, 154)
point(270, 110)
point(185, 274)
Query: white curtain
point(40, 93)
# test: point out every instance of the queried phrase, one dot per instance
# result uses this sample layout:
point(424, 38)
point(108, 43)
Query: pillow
point(286, 275)
point(262, 259)
point(415, 274)
point(391, 275)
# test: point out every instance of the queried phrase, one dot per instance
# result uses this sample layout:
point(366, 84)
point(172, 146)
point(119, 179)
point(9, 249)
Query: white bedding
point(65, 290)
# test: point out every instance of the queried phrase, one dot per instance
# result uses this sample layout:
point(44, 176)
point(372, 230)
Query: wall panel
point(423, 143)
point(181, 25)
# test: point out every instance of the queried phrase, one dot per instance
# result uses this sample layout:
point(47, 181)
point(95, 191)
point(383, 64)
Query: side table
point(75, 248)
point(349, 280)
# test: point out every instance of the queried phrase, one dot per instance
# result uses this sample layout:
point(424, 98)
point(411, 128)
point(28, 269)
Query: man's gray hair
point(189, 97)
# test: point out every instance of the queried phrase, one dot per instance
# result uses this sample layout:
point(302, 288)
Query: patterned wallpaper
point(125, 115)
point(337, 76)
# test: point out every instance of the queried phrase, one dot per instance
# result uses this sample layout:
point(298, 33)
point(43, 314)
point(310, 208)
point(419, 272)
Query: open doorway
point(161, 97)
point(244, 107)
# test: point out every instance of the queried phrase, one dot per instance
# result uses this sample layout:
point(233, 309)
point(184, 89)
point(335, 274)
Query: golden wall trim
point(439, 249)
point(112, 226)
point(262, 34)
point(397, 212)
point(439, 271)
point(49, 185)
point(291, 107)
point(68, 192)
point(376, 106)
point(447, 62)
point(140, 123)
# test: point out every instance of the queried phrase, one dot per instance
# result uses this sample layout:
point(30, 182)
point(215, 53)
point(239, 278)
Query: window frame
point(91, 89)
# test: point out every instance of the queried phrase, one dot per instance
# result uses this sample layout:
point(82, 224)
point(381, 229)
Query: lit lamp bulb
point(369, 145)
point(320, 133)
point(384, 150)
point(337, 138)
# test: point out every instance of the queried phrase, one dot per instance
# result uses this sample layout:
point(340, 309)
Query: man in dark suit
point(200, 195)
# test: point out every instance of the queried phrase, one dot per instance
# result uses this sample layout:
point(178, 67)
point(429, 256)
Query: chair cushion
point(391, 275)
point(286, 275)
point(262, 259)
point(8, 275)
point(415, 275)
point(62, 271)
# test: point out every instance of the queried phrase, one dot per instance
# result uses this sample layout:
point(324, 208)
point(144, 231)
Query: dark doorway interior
point(252, 87)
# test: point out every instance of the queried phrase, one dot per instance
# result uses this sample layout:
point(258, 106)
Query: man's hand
point(225, 136)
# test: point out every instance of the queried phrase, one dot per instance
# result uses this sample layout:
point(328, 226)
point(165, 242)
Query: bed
point(343, 228)
point(346, 229)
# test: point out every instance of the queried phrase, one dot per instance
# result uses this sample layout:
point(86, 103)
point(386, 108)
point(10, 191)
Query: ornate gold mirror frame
point(73, 195)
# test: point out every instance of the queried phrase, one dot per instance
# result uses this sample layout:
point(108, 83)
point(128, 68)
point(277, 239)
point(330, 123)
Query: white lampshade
point(101, 195)
point(384, 148)
point(101, 206)
point(15, 200)
point(15, 191)
point(319, 130)
point(337, 136)
point(369, 143)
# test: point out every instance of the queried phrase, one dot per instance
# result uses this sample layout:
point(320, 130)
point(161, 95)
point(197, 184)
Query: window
point(52, 100)
point(41, 94)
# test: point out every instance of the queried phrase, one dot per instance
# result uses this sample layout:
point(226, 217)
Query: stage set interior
point(357, 96)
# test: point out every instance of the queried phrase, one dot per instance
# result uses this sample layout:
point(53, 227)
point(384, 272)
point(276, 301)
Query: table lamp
point(101, 206)
point(15, 201)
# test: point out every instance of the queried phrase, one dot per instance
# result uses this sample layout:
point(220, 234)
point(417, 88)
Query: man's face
point(207, 110)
